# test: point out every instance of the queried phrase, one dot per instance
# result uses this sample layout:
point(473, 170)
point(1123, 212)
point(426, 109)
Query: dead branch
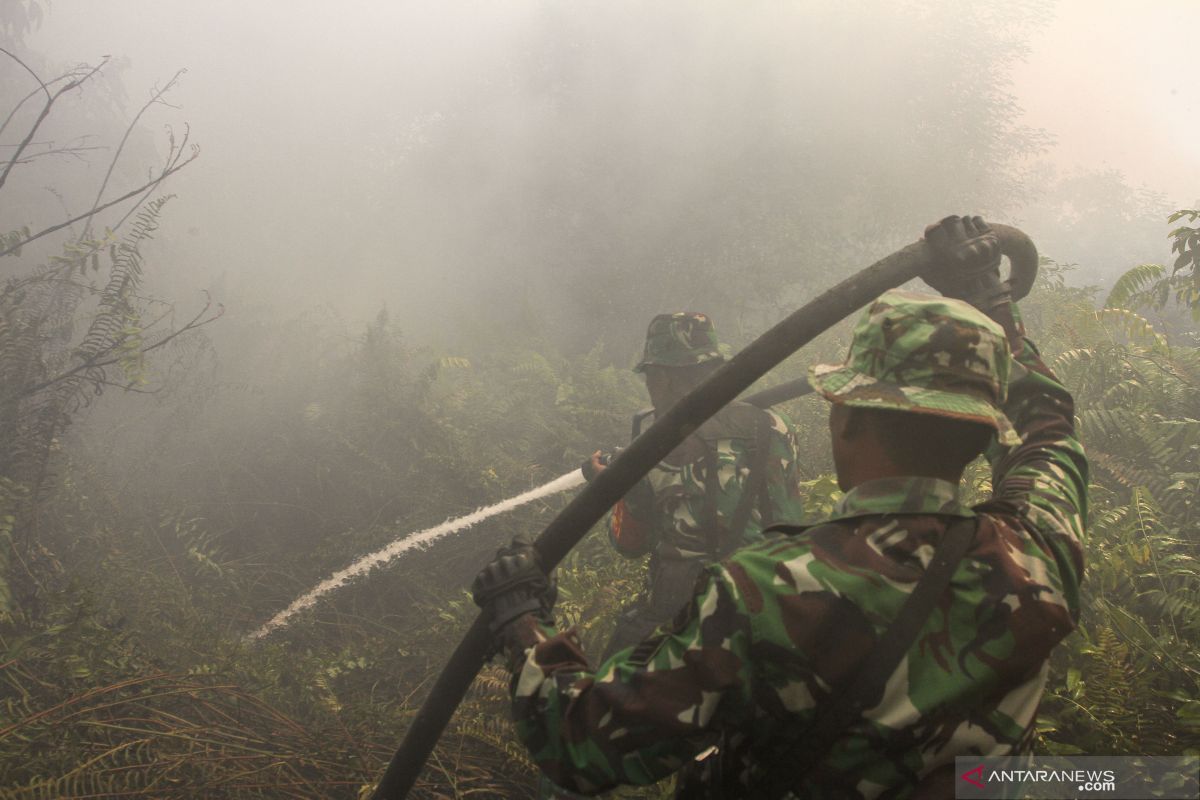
point(155, 99)
point(50, 100)
point(28, 69)
point(174, 153)
point(146, 187)
point(74, 151)
point(98, 360)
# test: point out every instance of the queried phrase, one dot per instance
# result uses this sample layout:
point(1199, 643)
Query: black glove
point(512, 585)
point(966, 262)
point(588, 467)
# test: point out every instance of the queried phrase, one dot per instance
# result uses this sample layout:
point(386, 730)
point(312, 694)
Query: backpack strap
point(712, 488)
point(722, 542)
point(851, 699)
point(755, 488)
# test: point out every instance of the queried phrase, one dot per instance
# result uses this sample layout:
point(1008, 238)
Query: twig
point(57, 151)
point(154, 98)
point(79, 698)
point(93, 363)
point(128, 387)
point(13, 111)
point(51, 98)
point(149, 185)
point(173, 156)
point(41, 83)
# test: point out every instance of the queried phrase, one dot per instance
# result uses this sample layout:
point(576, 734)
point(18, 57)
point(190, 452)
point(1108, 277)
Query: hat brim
point(721, 354)
point(846, 386)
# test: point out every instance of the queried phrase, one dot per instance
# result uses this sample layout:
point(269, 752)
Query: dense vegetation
point(205, 496)
point(123, 667)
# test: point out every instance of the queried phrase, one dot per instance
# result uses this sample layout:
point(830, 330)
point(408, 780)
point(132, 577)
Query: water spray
point(764, 399)
point(418, 539)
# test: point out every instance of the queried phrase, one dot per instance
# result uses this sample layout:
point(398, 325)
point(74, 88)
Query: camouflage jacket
point(669, 512)
point(771, 628)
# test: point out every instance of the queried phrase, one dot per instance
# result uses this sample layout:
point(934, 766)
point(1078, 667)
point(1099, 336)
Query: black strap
point(754, 488)
point(877, 666)
point(766, 517)
point(712, 488)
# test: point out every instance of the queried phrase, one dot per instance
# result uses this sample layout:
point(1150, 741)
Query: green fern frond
point(1136, 328)
point(1130, 289)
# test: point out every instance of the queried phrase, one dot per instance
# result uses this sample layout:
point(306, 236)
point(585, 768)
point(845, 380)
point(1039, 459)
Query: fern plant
point(1129, 681)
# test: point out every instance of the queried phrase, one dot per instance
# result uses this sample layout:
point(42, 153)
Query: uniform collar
point(907, 495)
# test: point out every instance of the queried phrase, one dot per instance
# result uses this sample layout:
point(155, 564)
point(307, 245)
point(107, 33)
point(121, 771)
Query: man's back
point(969, 684)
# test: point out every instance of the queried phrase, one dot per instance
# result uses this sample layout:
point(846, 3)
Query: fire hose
point(648, 449)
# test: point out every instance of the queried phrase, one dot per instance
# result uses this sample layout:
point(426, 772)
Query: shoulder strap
point(712, 488)
point(851, 699)
point(723, 541)
point(754, 489)
point(762, 490)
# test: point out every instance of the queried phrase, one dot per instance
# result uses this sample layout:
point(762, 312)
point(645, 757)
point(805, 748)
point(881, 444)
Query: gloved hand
point(512, 585)
point(596, 463)
point(967, 262)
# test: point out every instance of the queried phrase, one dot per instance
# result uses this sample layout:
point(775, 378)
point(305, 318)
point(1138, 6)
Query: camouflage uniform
point(773, 627)
point(681, 515)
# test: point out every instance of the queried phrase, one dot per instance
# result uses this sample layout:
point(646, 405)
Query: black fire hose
point(780, 393)
point(586, 509)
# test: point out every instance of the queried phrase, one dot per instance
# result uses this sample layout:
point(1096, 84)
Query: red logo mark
point(978, 773)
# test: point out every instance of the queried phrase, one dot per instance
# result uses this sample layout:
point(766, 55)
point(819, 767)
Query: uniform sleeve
point(647, 710)
point(1043, 480)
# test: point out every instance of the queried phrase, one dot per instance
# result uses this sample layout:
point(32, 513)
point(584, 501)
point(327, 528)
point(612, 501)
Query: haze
point(446, 158)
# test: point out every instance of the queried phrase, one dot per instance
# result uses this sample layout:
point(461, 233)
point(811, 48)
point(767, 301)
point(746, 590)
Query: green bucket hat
point(926, 355)
point(681, 340)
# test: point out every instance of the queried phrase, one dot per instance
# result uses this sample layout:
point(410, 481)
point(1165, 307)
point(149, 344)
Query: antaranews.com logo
point(1068, 777)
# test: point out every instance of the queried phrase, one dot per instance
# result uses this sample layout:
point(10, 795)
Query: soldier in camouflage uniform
point(717, 491)
point(775, 627)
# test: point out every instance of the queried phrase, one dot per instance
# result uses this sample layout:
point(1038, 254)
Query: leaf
point(1055, 748)
point(1074, 681)
point(1189, 714)
point(1131, 283)
point(1187, 257)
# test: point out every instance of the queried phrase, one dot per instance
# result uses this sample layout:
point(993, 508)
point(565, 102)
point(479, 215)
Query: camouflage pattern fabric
point(667, 512)
point(924, 354)
point(680, 340)
point(773, 627)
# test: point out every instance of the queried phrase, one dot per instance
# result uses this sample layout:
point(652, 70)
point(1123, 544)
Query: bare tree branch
point(13, 112)
point(66, 150)
point(51, 98)
point(28, 69)
point(149, 185)
point(155, 98)
point(98, 360)
point(24, 100)
point(173, 155)
point(128, 387)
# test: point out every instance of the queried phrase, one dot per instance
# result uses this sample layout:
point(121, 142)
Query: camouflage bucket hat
point(680, 340)
point(926, 355)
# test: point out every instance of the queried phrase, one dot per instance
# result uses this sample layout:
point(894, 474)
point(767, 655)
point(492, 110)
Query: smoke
point(572, 169)
point(522, 185)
